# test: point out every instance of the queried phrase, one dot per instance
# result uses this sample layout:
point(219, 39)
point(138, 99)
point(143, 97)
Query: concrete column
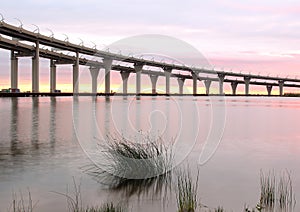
point(52, 76)
point(207, 86)
point(221, 82)
point(247, 83)
point(269, 89)
point(195, 80)
point(36, 68)
point(281, 84)
point(168, 72)
point(76, 74)
point(138, 70)
point(13, 70)
point(234, 86)
point(153, 79)
point(125, 76)
point(94, 70)
point(181, 83)
point(107, 66)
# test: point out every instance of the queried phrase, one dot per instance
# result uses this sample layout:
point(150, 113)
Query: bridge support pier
point(221, 82)
point(281, 84)
point(180, 84)
point(153, 79)
point(138, 70)
point(36, 68)
point(234, 86)
point(94, 70)
point(269, 89)
point(195, 80)
point(76, 74)
point(207, 84)
point(125, 76)
point(52, 76)
point(168, 72)
point(247, 83)
point(13, 70)
point(107, 62)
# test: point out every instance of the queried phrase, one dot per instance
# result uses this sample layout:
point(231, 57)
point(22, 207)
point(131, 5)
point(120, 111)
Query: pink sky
point(249, 36)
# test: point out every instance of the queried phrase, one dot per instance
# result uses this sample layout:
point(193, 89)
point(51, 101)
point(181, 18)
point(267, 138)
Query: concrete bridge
point(24, 43)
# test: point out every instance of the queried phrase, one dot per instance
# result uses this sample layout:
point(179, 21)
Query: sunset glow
point(249, 37)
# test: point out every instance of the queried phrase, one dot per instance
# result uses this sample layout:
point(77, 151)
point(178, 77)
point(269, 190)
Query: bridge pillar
point(76, 74)
point(207, 86)
point(52, 76)
point(36, 68)
point(13, 70)
point(125, 76)
point(138, 70)
point(181, 83)
point(247, 83)
point(221, 82)
point(107, 62)
point(168, 72)
point(153, 79)
point(269, 89)
point(94, 70)
point(281, 84)
point(195, 80)
point(234, 86)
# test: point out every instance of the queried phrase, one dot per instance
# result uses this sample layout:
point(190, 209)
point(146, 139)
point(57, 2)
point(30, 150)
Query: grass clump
point(219, 209)
point(134, 166)
point(285, 195)
point(19, 204)
point(267, 191)
point(75, 204)
point(137, 160)
point(74, 199)
point(276, 194)
point(108, 207)
point(186, 192)
point(247, 209)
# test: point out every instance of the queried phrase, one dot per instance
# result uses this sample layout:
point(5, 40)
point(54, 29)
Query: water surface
point(45, 142)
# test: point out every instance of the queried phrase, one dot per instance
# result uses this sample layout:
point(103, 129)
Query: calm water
point(45, 142)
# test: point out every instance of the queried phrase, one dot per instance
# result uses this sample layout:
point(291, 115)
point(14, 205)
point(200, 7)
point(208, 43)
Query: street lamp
point(2, 18)
point(67, 38)
point(95, 46)
point(37, 29)
point(21, 24)
point(81, 43)
point(52, 34)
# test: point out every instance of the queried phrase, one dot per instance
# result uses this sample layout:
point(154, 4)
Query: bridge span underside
point(23, 43)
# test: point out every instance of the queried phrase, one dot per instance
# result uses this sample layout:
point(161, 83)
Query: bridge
point(25, 43)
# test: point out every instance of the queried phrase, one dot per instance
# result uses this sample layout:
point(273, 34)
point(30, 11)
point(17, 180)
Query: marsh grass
point(276, 195)
point(108, 207)
point(19, 204)
point(267, 191)
point(75, 204)
point(74, 199)
point(187, 188)
point(247, 209)
point(219, 209)
point(134, 167)
point(285, 195)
